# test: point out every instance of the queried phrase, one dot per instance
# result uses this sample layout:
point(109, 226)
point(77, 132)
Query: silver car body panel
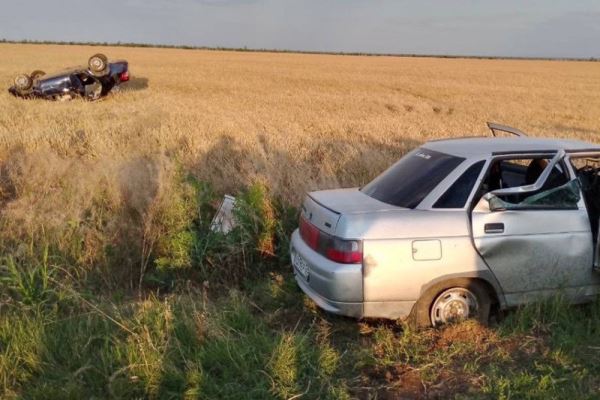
point(347, 202)
point(406, 251)
point(504, 128)
point(418, 247)
point(538, 250)
point(486, 147)
point(333, 281)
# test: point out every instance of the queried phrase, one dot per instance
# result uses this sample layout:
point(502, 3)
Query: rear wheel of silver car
point(23, 83)
point(98, 65)
point(454, 305)
point(452, 301)
point(37, 74)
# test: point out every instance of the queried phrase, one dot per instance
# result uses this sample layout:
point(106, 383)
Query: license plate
point(301, 265)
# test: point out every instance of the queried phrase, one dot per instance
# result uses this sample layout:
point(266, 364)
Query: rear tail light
point(124, 77)
point(336, 249)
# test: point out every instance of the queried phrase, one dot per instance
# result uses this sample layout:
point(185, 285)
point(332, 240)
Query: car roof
point(487, 146)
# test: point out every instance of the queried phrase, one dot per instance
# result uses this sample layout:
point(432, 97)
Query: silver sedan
point(454, 229)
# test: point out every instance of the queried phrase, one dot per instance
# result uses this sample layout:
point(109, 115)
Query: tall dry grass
point(300, 121)
point(98, 173)
point(102, 201)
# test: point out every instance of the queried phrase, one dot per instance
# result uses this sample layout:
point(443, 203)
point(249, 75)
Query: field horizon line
point(291, 51)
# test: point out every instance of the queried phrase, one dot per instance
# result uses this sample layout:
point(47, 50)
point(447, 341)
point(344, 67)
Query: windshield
point(410, 180)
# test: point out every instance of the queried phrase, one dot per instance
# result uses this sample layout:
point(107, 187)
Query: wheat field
point(296, 121)
point(112, 285)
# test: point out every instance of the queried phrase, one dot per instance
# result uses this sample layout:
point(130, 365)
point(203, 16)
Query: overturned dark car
point(91, 82)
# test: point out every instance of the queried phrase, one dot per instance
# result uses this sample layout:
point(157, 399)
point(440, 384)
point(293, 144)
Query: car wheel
point(37, 74)
point(450, 302)
point(98, 65)
point(23, 84)
point(454, 305)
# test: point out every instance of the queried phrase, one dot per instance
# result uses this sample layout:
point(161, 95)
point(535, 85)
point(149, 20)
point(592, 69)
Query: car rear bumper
point(337, 288)
point(335, 307)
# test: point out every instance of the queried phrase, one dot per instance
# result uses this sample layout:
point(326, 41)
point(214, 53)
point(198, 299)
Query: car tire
point(37, 74)
point(23, 84)
point(98, 65)
point(452, 301)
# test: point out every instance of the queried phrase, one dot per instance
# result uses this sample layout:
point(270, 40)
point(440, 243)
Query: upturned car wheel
point(37, 74)
point(23, 83)
point(98, 65)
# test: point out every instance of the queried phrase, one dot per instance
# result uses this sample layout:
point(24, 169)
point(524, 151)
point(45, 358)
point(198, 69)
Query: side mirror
point(490, 203)
point(495, 203)
point(483, 205)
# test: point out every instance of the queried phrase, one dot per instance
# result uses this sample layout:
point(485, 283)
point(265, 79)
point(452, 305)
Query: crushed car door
point(535, 239)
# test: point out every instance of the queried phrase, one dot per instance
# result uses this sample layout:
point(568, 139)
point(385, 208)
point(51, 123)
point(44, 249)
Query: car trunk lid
point(324, 208)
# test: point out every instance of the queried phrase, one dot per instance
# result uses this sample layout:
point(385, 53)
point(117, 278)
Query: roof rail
point(503, 128)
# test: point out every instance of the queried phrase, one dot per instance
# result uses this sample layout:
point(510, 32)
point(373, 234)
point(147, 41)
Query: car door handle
point(494, 228)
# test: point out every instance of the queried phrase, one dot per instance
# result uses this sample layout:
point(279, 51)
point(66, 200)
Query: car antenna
point(504, 128)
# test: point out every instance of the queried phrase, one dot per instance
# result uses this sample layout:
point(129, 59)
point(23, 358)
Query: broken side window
point(562, 197)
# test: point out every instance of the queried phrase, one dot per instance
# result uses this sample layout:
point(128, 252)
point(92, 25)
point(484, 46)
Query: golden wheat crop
point(96, 201)
point(294, 121)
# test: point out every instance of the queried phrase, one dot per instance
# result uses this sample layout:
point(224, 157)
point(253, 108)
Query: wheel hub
point(454, 304)
point(21, 81)
point(97, 63)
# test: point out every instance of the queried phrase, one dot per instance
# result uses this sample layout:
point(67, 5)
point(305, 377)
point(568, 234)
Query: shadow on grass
point(136, 83)
point(328, 163)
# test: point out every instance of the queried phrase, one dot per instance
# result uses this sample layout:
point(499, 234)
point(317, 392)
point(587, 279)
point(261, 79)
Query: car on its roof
point(455, 229)
point(92, 82)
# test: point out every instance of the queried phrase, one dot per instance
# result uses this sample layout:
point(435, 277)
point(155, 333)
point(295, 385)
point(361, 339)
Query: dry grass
point(101, 187)
point(88, 177)
point(298, 121)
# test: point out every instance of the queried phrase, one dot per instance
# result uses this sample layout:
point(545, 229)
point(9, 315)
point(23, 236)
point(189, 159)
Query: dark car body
point(77, 82)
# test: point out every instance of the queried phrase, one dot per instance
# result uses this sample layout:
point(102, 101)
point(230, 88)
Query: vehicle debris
point(224, 221)
point(91, 82)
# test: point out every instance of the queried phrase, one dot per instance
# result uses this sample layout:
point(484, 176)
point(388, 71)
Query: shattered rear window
point(410, 180)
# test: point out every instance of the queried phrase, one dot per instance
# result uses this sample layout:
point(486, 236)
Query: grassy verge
point(175, 311)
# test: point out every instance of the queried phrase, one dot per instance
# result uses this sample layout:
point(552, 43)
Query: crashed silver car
point(455, 229)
